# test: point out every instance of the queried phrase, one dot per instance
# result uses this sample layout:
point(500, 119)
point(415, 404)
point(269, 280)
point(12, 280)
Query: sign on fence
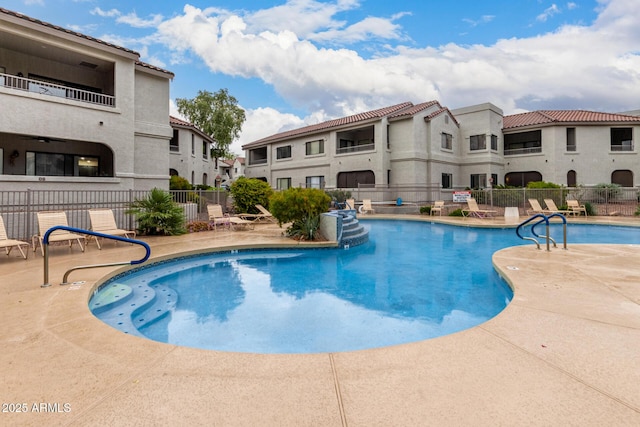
point(461, 196)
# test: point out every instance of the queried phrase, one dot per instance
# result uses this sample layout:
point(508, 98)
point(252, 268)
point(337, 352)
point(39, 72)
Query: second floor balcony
point(58, 90)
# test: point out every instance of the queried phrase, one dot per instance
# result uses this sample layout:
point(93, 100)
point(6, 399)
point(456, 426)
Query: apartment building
point(190, 153)
point(79, 112)
point(471, 147)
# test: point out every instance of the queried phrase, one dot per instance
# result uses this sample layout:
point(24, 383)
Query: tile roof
point(551, 117)
point(356, 118)
point(84, 36)
point(408, 112)
point(441, 111)
point(174, 121)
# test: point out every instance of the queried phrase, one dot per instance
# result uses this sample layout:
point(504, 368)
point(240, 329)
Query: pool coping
point(564, 359)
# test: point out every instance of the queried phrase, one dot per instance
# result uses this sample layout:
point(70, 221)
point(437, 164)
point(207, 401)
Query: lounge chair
point(103, 221)
point(536, 208)
point(8, 244)
point(575, 208)
point(48, 219)
point(263, 215)
point(438, 206)
point(217, 217)
point(366, 207)
point(474, 210)
point(350, 204)
point(225, 220)
point(552, 208)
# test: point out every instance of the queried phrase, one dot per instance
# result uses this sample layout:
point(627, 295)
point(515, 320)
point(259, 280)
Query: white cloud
point(548, 13)
point(592, 67)
point(484, 19)
point(34, 2)
point(105, 13)
point(137, 22)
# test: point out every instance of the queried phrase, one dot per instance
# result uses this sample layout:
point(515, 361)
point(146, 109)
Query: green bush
point(179, 183)
point(302, 207)
point(249, 192)
point(425, 210)
point(607, 192)
point(158, 214)
point(591, 210)
point(542, 184)
point(457, 212)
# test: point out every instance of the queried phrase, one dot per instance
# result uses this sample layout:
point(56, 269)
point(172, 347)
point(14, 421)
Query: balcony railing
point(355, 148)
point(44, 88)
point(625, 146)
point(516, 151)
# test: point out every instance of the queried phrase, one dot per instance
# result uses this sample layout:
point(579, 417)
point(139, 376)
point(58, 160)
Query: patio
point(564, 352)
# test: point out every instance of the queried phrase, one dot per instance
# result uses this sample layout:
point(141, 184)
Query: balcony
point(60, 91)
point(518, 151)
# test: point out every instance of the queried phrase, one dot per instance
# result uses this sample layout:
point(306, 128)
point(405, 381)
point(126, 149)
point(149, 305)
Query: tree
point(217, 115)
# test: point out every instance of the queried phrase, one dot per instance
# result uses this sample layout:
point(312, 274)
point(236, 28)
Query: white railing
point(515, 151)
point(44, 88)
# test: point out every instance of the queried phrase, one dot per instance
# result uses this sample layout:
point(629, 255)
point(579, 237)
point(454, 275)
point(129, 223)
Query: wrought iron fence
point(19, 208)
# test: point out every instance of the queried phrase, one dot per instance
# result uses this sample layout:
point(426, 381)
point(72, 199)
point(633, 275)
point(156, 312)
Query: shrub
point(248, 192)
point(542, 184)
point(607, 192)
point(197, 226)
point(425, 210)
point(179, 183)
point(591, 210)
point(457, 212)
point(158, 214)
point(637, 211)
point(302, 207)
point(339, 196)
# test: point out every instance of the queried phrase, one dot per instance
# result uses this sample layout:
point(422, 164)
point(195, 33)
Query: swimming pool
point(412, 281)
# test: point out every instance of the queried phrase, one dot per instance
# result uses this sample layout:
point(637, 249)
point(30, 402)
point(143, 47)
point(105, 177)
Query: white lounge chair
point(103, 221)
point(8, 244)
point(48, 219)
point(474, 210)
point(575, 208)
point(366, 207)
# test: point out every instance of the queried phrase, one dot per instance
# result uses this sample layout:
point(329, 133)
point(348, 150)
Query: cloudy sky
point(296, 62)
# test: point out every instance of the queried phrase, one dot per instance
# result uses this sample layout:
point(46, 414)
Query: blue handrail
point(45, 242)
point(543, 218)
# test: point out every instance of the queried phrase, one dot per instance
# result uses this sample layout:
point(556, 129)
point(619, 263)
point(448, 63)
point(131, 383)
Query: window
point(283, 183)
point(622, 177)
point(523, 143)
point(314, 147)
point(355, 140)
point(571, 139)
point(572, 178)
point(258, 156)
point(173, 172)
point(356, 178)
point(447, 180)
point(388, 137)
point(315, 182)
point(283, 152)
point(205, 179)
point(478, 180)
point(446, 141)
point(494, 179)
point(193, 145)
point(478, 142)
point(54, 164)
point(494, 142)
point(621, 139)
point(204, 150)
point(174, 143)
point(521, 179)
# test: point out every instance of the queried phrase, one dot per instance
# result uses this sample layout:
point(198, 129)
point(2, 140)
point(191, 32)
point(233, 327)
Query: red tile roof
point(551, 117)
point(174, 121)
point(343, 121)
point(84, 36)
point(441, 111)
point(408, 112)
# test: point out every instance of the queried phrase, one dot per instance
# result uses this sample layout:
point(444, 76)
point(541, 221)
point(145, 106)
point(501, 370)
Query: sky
point(292, 63)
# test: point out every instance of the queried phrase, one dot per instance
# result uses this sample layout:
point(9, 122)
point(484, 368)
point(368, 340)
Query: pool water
point(412, 281)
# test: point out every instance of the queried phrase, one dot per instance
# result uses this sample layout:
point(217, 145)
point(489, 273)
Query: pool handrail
point(45, 244)
point(543, 218)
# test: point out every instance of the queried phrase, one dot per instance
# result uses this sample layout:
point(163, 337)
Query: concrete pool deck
point(564, 352)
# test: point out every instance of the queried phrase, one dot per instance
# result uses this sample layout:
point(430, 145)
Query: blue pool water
point(411, 281)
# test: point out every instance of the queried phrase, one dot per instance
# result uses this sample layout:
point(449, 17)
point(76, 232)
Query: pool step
point(353, 233)
point(165, 301)
point(141, 306)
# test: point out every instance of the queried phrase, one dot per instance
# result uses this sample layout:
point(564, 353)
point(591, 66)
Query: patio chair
point(438, 206)
point(366, 207)
point(8, 244)
point(266, 214)
point(350, 204)
point(474, 210)
point(535, 208)
point(575, 208)
point(48, 219)
point(552, 208)
point(263, 215)
point(217, 217)
point(103, 221)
